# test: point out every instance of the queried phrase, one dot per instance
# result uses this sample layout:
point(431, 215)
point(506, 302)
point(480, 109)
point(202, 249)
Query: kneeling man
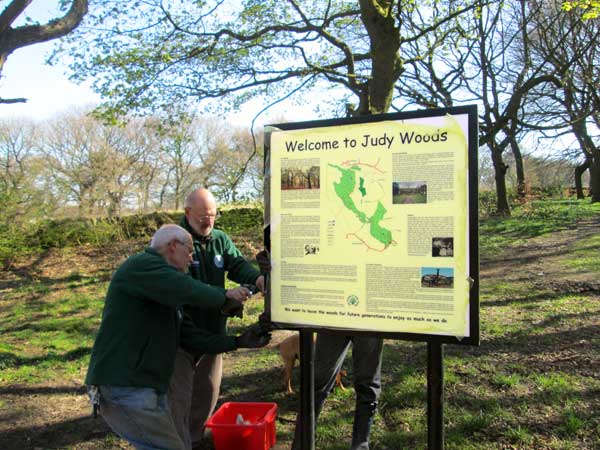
point(142, 325)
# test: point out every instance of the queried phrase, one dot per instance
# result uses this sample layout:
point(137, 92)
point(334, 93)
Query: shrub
point(237, 220)
point(13, 243)
point(23, 240)
point(144, 225)
point(69, 232)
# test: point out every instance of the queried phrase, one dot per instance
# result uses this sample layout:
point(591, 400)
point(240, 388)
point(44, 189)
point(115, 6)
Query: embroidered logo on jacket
point(219, 262)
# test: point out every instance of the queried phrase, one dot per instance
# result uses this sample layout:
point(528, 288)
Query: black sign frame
point(472, 220)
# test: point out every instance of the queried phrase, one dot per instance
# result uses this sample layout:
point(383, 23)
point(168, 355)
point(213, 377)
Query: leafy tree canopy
point(591, 7)
point(145, 55)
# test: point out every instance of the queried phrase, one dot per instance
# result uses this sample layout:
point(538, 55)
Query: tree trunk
point(500, 169)
point(591, 153)
point(579, 171)
point(595, 177)
point(386, 67)
point(516, 150)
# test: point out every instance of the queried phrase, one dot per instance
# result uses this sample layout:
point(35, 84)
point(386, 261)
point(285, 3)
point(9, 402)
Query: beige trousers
point(193, 393)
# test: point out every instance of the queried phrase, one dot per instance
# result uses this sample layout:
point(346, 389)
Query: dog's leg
point(287, 375)
point(338, 379)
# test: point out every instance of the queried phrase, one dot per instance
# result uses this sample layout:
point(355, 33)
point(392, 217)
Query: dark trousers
point(194, 391)
point(330, 352)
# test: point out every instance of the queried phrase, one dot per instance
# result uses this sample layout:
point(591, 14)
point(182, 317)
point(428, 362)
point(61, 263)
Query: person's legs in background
point(366, 356)
point(180, 393)
point(205, 394)
point(330, 351)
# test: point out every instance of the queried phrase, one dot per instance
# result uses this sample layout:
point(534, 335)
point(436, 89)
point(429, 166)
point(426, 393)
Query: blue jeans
point(141, 416)
point(330, 352)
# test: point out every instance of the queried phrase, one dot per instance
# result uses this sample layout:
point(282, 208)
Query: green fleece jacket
point(218, 256)
point(143, 322)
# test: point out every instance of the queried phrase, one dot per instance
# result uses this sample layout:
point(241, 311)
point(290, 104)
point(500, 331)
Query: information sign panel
point(373, 224)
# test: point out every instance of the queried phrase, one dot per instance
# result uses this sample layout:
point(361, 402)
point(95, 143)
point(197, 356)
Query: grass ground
point(534, 383)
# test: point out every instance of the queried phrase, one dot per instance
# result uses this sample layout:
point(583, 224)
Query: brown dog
point(289, 349)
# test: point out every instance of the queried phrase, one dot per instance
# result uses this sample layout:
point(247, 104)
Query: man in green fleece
point(143, 324)
point(215, 256)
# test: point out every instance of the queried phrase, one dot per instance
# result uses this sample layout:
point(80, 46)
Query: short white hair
point(167, 233)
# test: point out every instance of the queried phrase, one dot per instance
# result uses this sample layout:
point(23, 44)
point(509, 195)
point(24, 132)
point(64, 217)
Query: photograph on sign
point(369, 226)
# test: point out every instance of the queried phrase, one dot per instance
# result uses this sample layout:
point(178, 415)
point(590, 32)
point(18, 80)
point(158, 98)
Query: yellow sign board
point(369, 226)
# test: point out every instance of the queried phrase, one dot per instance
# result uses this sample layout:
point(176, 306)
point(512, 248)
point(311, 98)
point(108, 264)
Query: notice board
point(373, 224)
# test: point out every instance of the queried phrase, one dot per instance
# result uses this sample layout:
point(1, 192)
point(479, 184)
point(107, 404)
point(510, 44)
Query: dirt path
point(540, 264)
point(540, 260)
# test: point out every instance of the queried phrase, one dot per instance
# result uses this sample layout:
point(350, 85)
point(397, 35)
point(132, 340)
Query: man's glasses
point(189, 249)
point(209, 216)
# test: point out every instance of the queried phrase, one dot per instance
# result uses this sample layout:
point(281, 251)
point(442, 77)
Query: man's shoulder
point(217, 234)
point(146, 256)
point(184, 224)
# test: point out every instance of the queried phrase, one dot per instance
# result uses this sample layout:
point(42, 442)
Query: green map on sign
point(360, 187)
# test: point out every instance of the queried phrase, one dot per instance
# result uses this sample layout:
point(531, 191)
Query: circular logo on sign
point(219, 261)
point(352, 300)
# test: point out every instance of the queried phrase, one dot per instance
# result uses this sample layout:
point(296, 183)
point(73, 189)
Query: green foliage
point(144, 225)
point(13, 242)
point(487, 202)
point(16, 241)
point(573, 424)
point(155, 55)
point(591, 8)
point(520, 435)
point(68, 232)
point(237, 220)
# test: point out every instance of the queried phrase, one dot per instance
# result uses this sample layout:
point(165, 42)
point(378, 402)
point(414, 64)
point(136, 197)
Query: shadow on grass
point(83, 326)
point(583, 289)
point(522, 258)
point(41, 286)
point(10, 360)
point(22, 390)
point(66, 434)
point(525, 343)
point(490, 417)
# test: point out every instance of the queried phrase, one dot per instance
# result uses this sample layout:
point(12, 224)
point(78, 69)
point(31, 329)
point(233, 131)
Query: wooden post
point(435, 396)
point(307, 390)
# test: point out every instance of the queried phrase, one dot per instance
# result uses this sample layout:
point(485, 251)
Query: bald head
point(200, 197)
point(201, 211)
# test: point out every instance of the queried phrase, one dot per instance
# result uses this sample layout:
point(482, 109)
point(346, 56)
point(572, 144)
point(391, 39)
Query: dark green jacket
point(218, 256)
point(143, 321)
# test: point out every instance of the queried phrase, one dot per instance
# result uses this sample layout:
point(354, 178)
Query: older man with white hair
point(142, 326)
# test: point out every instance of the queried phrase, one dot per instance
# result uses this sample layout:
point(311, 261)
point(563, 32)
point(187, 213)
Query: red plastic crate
point(258, 435)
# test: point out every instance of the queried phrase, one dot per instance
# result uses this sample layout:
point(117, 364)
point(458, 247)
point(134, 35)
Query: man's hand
point(233, 308)
point(264, 322)
point(264, 261)
point(239, 293)
point(260, 283)
point(253, 337)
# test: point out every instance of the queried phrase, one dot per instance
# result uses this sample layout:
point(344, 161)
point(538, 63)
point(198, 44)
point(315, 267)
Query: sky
point(49, 91)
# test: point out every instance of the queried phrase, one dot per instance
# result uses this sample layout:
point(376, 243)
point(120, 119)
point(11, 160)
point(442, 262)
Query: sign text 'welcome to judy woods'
point(367, 140)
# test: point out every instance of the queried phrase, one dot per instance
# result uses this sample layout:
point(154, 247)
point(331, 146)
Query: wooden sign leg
point(435, 396)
